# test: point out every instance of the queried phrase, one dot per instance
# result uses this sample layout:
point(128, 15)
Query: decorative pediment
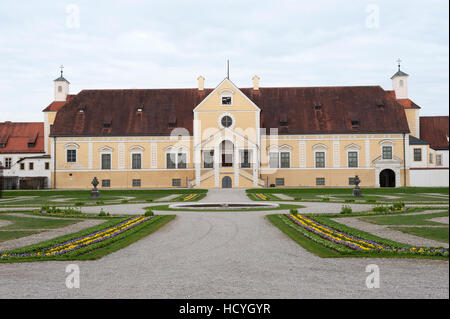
point(105, 149)
point(320, 146)
point(136, 148)
point(277, 148)
point(387, 142)
point(71, 146)
point(395, 161)
point(352, 147)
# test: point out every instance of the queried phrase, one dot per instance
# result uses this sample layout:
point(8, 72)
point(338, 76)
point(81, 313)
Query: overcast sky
point(168, 44)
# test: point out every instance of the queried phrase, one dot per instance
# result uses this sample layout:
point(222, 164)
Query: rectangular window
point(170, 160)
point(439, 160)
point(136, 183)
point(208, 159)
point(181, 160)
point(417, 154)
point(8, 162)
point(47, 165)
point(352, 159)
point(136, 161)
point(285, 159)
point(22, 166)
point(431, 158)
point(320, 181)
point(351, 181)
point(245, 159)
point(387, 152)
point(279, 181)
point(31, 166)
point(176, 182)
point(71, 156)
point(106, 161)
point(320, 159)
point(226, 100)
point(106, 183)
point(273, 160)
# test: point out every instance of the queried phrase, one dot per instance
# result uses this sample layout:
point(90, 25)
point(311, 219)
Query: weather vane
point(399, 61)
point(61, 67)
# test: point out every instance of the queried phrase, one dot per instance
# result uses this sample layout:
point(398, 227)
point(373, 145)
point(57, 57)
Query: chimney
point(201, 83)
point(255, 83)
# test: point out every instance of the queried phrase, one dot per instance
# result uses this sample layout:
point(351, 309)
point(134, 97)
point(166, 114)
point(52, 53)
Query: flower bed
point(261, 196)
point(80, 242)
point(356, 243)
point(189, 197)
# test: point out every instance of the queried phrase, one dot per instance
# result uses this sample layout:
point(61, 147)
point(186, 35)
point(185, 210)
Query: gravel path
point(224, 255)
point(442, 220)
point(284, 196)
point(47, 234)
point(167, 198)
point(389, 233)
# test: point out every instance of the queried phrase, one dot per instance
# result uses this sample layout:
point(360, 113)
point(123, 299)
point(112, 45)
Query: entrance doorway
point(226, 182)
point(387, 178)
point(227, 153)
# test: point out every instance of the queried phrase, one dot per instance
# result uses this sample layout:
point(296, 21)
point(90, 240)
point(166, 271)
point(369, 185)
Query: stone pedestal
point(95, 193)
point(357, 191)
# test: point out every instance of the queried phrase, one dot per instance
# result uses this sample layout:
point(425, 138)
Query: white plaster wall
point(429, 177)
point(38, 170)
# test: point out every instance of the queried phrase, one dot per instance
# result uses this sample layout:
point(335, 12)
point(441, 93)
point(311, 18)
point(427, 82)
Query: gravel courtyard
point(224, 255)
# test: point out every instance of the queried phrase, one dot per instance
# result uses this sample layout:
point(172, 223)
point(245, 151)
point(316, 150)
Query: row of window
point(418, 157)
point(137, 182)
point(320, 181)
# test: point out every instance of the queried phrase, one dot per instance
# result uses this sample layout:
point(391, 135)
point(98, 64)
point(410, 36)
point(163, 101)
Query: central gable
point(226, 97)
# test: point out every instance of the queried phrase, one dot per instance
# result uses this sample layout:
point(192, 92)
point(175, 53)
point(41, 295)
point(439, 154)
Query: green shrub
point(349, 200)
point(297, 198)
point(326, 199)
point(149, 212)
point(346, 210)
point(149, 200)
point(79, 204)
point(293, 211)
point(370, 201)
point(124, 201)
point(100, 202)
point(381, 209)
point(398, 206)
point(102, 213)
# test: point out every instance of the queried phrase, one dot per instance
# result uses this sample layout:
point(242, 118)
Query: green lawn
point(63, 198)
point(380, 195)
point(95, 250)
point(20, 222)
point(325, 248)
point(14, 234)
point(405, 219)
point(435, 233)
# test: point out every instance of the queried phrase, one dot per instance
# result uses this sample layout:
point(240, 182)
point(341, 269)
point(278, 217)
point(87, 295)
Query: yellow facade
point(238, 138)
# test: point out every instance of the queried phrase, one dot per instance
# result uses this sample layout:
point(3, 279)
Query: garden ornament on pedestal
point(95, 193)
point(357, 190)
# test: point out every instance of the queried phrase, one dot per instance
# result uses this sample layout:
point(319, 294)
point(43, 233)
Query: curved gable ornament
point(276, 148)
point(320, 146)
point(105, 149)
point(136, 148)
point(71, 146)
point(386, 141)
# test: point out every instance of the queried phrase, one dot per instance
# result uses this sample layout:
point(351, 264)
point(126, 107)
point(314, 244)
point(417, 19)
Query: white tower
point(61, 87)
point(400, 83)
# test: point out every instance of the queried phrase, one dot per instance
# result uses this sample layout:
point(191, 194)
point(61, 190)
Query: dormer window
point(317, 107)
point(30, 145)
point(226, 100)
point(355, 123)
point(381, 106)
point(2, 145)
point(80, 111)
point(140, 109)
point(106, 125)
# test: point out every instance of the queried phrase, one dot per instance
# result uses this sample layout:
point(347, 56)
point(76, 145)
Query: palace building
point(243, 137)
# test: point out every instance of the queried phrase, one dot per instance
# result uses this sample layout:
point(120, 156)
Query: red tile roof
point(408, 104)
point(434, 130)
point(21, 137)
point(55, 106)
point(87, 113)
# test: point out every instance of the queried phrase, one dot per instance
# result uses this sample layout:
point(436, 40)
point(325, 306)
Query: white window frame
point(176, 151)
point(321, 150)
point(387, 143)
point(226, 93)
point(131, 160)
point(72, 147)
